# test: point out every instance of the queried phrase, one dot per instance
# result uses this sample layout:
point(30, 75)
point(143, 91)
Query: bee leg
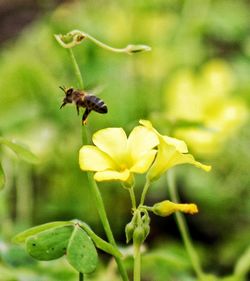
point(85, 116)
point(77, 109)
point(64, 103)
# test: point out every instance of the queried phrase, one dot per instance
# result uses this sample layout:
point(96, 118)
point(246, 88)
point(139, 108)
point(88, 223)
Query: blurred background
point(193, 85)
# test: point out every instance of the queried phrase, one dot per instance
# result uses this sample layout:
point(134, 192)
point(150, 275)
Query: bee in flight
point(85, 100)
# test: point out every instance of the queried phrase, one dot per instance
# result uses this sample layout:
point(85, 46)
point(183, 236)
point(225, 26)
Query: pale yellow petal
point(93, 159)
point(141, 141)
point(146, 124)
point(164, 155)
point(167, 157)
point(180, 145)
point(111, 175)
point(189, 159)
point(179, 158)
point(144, 163)
point(112, 141)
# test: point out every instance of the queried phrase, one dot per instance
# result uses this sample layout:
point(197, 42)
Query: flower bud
point(139, 235)
point(71, 39)
point(145, 224)
point(146, 228)
point(137, 48)
point(166, 208)
point(129, 230)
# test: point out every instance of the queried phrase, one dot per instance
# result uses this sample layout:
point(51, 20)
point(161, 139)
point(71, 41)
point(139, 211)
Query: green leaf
point(21, 237)
point(22, 151)
point(242, 266)
point(81, 252)
point(99, 242)
point(49, 244)
point(2, 177)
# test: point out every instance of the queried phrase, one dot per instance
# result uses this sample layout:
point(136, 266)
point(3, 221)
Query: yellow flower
point(171, 152)
point(166, 208)
point(116, 157)
point(206, 99)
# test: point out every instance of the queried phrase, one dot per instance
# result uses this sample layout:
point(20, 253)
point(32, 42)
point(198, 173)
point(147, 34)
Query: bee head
point(68, 95)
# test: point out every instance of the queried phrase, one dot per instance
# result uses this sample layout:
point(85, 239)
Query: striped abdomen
point(94, 103)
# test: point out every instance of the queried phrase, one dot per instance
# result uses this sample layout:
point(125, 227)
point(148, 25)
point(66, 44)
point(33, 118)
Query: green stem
point(182, 225)
point(144, 192)
point(76, 69)
point(81, 276)
point(132, 196)
point(137, 262)
point(105, 46)
point(104, 219)
point(24, 196)
point(93, 186)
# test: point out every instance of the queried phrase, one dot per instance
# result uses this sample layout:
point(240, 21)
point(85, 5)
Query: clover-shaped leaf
point(75, 239)
point(21, 237)
point(81, 252)
point(49, 244)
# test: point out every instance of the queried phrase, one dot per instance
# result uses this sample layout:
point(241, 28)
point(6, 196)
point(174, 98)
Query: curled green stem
point(182, 225)
point(75, 37)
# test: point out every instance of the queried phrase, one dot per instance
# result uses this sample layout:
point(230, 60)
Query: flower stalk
point(104, 219)
point(137, 262)
point(75, 37)
point(81, 276)
point(94, 188)
point(145, 190)
point(76, 69)
point(182, 225)
point(132, 197)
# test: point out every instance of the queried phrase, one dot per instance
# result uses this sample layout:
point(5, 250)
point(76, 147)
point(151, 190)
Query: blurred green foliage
point(185, 36)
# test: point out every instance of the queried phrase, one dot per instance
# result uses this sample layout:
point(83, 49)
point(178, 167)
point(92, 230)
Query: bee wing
point(96, 90)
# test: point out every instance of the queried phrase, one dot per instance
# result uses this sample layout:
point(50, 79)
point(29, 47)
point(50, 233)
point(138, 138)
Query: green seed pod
point(129, 230)
point(139, 235)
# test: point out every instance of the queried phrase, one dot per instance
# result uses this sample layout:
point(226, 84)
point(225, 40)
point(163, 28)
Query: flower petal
point(112, 141)
point(180, 145)
point(160, 165)
point(112, 175)
point(167, 157)
point(166, 208)
point(147, 124)
point(143, 164)
point(187, 159)
point(140, 142)
point(92, 158)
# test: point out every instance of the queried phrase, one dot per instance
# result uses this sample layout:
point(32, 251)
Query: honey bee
point(85, 100)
